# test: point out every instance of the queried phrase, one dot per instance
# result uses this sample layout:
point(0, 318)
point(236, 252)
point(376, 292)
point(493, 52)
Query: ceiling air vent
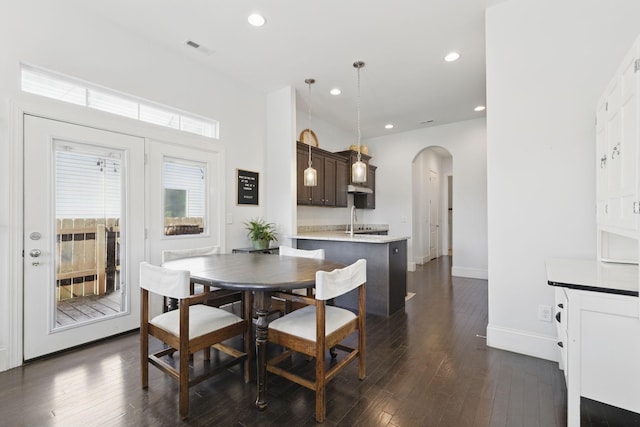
point(198, 47)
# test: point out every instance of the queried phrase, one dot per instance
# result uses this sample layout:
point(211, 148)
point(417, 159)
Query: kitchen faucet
point(353, 218)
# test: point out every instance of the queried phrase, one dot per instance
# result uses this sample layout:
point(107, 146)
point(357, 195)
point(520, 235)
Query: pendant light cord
point(358, 65)
point(309, 82)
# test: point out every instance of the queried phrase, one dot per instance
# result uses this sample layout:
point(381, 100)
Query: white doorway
point(432, 170)
point(83, 231)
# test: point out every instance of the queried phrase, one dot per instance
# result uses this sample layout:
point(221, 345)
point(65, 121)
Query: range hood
point(358, 190)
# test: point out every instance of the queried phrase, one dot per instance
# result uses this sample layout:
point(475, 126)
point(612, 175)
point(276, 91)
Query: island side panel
point(397, 275)
point(384, 295)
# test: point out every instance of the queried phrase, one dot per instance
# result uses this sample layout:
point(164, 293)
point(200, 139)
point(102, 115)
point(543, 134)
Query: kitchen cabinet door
point(342, 180)
point(329, 182)
point(317, 192)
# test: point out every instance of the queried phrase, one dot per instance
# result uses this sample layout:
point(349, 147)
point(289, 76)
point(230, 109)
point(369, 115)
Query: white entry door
point(83, 234)
point(434, 209)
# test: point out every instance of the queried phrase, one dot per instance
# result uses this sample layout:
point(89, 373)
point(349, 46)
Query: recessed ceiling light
point(388, 126)
point(335, 91)
point(452, 56)
point(256, 20)
point(479, 108)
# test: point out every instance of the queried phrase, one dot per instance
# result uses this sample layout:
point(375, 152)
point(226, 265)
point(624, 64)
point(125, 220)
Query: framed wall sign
point(247, 187)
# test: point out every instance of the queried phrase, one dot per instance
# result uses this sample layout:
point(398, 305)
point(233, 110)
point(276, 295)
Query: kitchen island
point(386, 265)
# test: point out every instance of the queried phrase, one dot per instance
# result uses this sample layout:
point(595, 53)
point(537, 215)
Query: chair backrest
point(165, 281)
point(330, 284)
point(302, 253)
point(171, 254)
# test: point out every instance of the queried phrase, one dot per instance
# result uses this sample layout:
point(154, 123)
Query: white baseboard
point(4, 359)
point(472, 273)
point(541, 346)
point(411, 266)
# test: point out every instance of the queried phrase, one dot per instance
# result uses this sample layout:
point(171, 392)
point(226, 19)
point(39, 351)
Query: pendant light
point(310, 174)
point(359, 168)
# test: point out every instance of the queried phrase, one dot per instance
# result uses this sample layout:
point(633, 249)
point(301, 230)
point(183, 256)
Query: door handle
point(35, 253)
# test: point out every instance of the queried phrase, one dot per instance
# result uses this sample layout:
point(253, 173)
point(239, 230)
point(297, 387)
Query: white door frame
point(27, 104)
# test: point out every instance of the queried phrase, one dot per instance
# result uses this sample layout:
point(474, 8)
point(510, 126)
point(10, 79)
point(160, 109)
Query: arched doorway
point(432, 175)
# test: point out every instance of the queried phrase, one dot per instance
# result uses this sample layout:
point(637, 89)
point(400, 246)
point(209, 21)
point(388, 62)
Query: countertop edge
point(593, 275)
point(599, 289)
point(357, 238)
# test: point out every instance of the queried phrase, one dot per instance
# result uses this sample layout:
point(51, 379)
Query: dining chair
point(302, 253)
point(316, 328)
point(223, 296)
point(194, 326)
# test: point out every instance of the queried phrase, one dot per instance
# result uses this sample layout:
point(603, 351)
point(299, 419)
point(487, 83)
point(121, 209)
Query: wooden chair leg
point(144, 339)
point(183, 400)
point(320, 382)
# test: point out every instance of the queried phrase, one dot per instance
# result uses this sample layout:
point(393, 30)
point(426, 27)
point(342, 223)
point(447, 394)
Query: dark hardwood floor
point(426, 366)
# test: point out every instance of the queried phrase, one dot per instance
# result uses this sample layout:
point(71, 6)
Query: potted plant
point(260, 232)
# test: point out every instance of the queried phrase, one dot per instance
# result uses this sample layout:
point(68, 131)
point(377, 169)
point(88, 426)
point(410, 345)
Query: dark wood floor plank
point(427, 365)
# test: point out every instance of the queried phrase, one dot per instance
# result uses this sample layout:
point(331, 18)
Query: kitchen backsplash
point(339, 227)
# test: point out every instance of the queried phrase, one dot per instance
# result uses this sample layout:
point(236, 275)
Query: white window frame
point(121, 104)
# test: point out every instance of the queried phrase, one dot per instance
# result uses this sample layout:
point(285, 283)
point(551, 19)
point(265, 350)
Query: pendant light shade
point(310, 178)
point(359, 168)
point(359, 171)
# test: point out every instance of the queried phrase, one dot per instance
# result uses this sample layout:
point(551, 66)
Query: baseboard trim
point(472, 273)
point(518, 341)
point(411, 266)
point(4, 359)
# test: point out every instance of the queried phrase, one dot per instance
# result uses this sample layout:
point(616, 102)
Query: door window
point(184, 197)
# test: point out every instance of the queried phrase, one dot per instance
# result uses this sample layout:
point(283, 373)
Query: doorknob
point(35, 253)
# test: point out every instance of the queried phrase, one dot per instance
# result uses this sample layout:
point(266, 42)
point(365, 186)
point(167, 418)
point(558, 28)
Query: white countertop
point(341, 236)
point(593, 275)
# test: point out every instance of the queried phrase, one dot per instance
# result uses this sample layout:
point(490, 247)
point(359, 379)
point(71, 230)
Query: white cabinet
point(617, 148)
point(617, 141)
point(599, 331)
point(617, 161)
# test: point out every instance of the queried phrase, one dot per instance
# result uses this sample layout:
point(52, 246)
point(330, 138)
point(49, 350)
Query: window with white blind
point(184, 197)
point(75, 91)
point(87, 185)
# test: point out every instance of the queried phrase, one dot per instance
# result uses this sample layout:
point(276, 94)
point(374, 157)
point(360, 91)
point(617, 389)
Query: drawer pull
point(561, 305)
point(560, 344)
point(558, 317)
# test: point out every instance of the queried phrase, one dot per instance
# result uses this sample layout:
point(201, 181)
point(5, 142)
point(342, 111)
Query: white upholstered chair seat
point(202, 320)
point(302, 322)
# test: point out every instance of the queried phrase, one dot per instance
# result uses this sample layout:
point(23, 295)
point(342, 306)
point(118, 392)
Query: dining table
point(261, 274)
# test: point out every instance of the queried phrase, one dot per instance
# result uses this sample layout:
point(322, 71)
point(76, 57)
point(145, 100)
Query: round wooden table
point(261, 274)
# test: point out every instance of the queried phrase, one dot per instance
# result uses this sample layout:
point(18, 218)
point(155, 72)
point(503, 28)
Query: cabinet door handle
point(561, 305)
point(560, 344)
point(558, 317)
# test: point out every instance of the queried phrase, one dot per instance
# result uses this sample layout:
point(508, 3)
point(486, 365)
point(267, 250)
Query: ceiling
point(405, 81)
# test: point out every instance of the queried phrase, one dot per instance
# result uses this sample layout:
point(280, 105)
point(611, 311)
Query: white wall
point(280, 161)
point(547, 63)
point(394, 154)
point(51, 35)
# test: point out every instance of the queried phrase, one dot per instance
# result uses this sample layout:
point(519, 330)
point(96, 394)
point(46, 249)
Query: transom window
point(75, 91)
